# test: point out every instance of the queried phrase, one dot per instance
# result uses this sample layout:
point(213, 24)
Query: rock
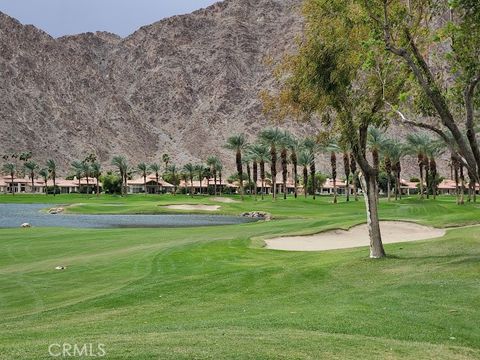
point(26, 225)
point(260, 215)
point(55, 211)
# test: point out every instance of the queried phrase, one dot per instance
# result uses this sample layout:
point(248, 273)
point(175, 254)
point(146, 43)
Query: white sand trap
point(392, 232)
point(194, 207)
point(225, 200)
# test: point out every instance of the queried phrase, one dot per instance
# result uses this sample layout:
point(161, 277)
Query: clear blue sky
point(122, 17)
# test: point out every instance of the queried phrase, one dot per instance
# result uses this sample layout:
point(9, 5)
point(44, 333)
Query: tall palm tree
point(271, 138)
point(156, 169)
point(10, 169)
point(172, 170)
point(293, 146)
point(87, 172)
point(96, 173)
point(284, 147)
point(219, 170)
point(238, 143)
point(52, 170)
point(166, 160)
point(143, 168)
point(387, 148)
point(44, 174)
point(374, 142)
point(212, 162)
point(77, 167)
point(353, 171)
point(346, 168)
point(261, 155)
point(433, 150)
point(189, 169)
point(312, 146)
point(305, 159)
point(200, 171)
point(417, 145)
point(393, 152)
point(121, 163)
point(31, 166)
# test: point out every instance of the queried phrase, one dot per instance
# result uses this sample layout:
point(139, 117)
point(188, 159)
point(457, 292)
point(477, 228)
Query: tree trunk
point(240, 171)
point(346, 166)
point(305, 181)
point(262, 176)
point(273, 169)
point(255, 177)
point(314, 180)
point(295, 173)
point(369, 183)
point(284, 172)
point(215, 185)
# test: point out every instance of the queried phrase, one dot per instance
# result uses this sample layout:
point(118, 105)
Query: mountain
point(181, 85)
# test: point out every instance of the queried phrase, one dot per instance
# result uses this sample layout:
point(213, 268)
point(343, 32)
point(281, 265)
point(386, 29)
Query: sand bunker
point(194, 207)
point(225, 200)
point(392, 232)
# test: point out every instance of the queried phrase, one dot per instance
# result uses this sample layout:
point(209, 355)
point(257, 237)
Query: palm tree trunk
point(240, 171)
point(284, 172)
point(314, 180)
point(98, 186)
point(33, 183)
point(215, 185)
point(11, 185)
point(145, 184)
point(262, 176)
point(305, 181)
point(333, 163)
point(273, 168)
point(221, 186)
point(255, 177)
point(462, 186)
point(191, 185)
point(54, 185)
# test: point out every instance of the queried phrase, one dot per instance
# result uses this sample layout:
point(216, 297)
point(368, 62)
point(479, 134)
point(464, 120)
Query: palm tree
point(166, 160)
point(77, 167)
point(121, 163)
point(353, 171)
point(246, 161)
point(44, 174)
point(238, 143)
point(305, 159)
point(312, 146)
point(31, 166)
point(87, 172)
point(417, 145)
point(200, 170)
point(219, 170)
point(189, 169)
point(293, 146)
point(52, 170)
point(10, 169)
point(212, 162)
point(284, 146)
point(333, 148)
point(271, 138)
point(374, 140)
point(156, 169)
point(96, 173)
point(433, 150)
point(143, 168)
point(261, 155)
point(172, 169)
point(393, 153)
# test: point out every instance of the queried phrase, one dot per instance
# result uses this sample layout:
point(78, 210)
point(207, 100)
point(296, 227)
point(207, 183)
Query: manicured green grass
point(213, 293)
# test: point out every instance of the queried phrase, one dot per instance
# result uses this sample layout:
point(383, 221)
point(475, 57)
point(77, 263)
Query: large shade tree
point(438, 45)
point(342, 78)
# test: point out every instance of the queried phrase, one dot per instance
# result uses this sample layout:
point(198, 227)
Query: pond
point(13, 215)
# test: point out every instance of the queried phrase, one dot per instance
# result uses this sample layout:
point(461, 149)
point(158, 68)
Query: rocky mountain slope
point(181, 85)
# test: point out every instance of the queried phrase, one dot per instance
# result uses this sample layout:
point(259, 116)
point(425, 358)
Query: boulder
point(55, 211)
point(26, 225)
point(260, 215)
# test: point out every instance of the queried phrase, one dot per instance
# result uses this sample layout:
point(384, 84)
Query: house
point(24, 185)
point(202, 186)
point(137, 186)
point(408, 187)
